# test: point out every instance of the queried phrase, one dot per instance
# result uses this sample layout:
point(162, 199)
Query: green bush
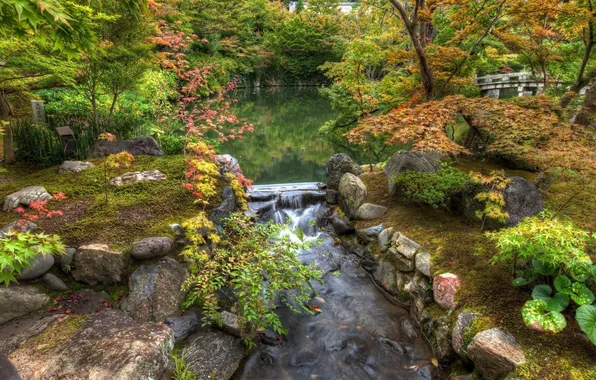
point(433, 189)
point(551, 252)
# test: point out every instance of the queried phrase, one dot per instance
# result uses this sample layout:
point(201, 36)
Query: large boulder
point(136, 177)
point(403, 161)
point(211, 353)
point(228, 164)
point(151, 247)
point(155, 290)
point(18, 226)
point(141, 146)
point(495, 353)
point(352, 192)
point(18, 300)
point(110, 346)
point(227, 206)
point(338, 165)
point(25, 196)
point(369, 211)
point(384, 275)
point(7, 369)
point(38, 266)
point(445, 287)
point(98, 264)
point(74, 167)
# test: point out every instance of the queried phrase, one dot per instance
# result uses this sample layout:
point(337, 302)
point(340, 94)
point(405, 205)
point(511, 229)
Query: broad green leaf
point(581, 294)
point(594, 271)
point(586, 318)
point(581, 271)
point(563, 284)
point(542, 292)
point(520, 281)
point(559, 302)
point(535, 313)
point(544, 268)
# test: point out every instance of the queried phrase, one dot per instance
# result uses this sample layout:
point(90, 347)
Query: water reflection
point(285, 146)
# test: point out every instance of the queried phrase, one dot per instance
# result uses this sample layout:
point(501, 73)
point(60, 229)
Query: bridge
point(509, 85)
point(344, 6)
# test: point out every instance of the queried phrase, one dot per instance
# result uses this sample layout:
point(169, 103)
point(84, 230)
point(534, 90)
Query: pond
point(285, 146)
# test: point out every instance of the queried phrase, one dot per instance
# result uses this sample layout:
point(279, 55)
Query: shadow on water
point(359, 333)
point(285, 146)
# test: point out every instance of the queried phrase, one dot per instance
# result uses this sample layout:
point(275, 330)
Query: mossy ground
point(131, 213)
point(461, 248)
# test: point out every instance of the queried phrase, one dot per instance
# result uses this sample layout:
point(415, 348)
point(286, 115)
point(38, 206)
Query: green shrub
point(552, 252)
point(433, 189)
point(254, 266)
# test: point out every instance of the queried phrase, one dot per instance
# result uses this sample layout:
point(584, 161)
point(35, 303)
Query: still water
point(285, 146)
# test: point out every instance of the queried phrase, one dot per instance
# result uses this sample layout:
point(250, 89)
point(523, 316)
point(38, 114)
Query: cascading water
point(359, 333)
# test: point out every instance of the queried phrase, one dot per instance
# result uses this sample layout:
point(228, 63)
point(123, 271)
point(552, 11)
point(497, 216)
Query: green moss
point(56, 335)
point(477, 325)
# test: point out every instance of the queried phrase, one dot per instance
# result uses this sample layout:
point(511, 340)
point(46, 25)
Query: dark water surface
point(285, 146)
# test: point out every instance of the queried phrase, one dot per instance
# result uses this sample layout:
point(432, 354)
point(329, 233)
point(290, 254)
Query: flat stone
point(155, 291)
point(74, 167)
point(405, 246)
point(369, 211)
point(211, 353)
point(152, 247)
point(385, 239)
point(54, 283)
point(183, 325)
point(352, 192)
point(402, 263)
point(464, 320)
point(136, 177)
point(495, 353)
point(423, 263)
point(444, 290)
point(98, 264)
point(25, 196)
point(384, 275)
point(40, 264)
point(370, 234)
point(18, 300)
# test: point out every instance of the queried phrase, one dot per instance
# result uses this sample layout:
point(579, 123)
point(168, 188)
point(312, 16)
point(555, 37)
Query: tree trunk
point(588, 110)
point(5, 114)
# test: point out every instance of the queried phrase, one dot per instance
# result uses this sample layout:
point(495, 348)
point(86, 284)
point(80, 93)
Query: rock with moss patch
point(369, 211)
point(25, 196)
point(141, 146)
point(495, 353)
point(463, 322)
point(74, 167)
point(405, 246)
point(98, 264)
point(111, 345)
point(338, 165)
point(19, 300)
point(423, 263)
point(385, 239)
point(226, 207)
point(136, 177)
point(228, 164)
point(151, 247)
point(370, 234)
point(211, 353)
point(402, 161)
point(402, 263)
point(352, 192)
point(384, 275)
point(38, 266)
point(155, 290)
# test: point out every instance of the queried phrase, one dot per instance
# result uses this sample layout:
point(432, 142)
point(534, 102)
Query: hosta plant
point(586, 318)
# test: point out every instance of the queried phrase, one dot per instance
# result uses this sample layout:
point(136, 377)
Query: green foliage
point(536, 312)
point(433, 189)
point(181, 370)
point(254, 265)
point(586, 317)
point(17, 249)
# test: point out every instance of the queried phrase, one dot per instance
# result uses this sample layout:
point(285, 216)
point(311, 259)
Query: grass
point(461, 248)
point(133, 212)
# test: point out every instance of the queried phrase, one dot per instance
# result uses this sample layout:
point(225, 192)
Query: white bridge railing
point(344, 6)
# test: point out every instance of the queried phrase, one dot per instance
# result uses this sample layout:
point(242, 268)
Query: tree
point(323, 6)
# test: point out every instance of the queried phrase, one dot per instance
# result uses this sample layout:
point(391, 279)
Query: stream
point(359, 333)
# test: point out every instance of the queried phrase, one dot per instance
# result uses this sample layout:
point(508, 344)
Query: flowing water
point(359, 333)
point(285, 145)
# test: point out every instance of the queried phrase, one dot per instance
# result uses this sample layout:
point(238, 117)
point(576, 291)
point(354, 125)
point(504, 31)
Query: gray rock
point(141, 146)
point(30, 328)
point(152, 247)
point(227, 206)
point(25, 196)
point(136, 177)
point(385, 239)
point(402, 279)
point(402, 161)
point(111, 345)
point(369, 211)
point(211, 353)
point(98, 264)
point(442, 333)
point(66, 259)
point(370, 234)
point(384, 275)
point(352, 192)
point(18, 300)
point(54, 283)
point(230, 324)
point(495, 353)
point(341, 226)
point(402, 263)
point(7, 369)
point(18, 226)
point(419, 290)
point(74, 167)
point(338, 165)
point(522, 199)
point(409, 328)
point(405, 246)
point(228, 164)
point(464, 320)
point(155, 291)
point(183, 325)
point(423, 263)
point(331, 197)
point(40, 264)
